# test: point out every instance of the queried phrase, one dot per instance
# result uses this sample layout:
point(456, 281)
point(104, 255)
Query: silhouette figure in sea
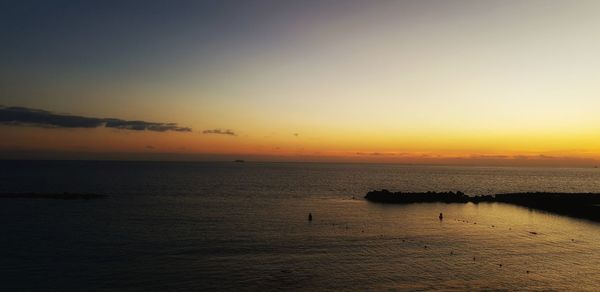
point(441, 216)
point(309, 216)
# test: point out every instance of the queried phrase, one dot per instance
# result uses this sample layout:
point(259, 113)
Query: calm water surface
point(233, 226)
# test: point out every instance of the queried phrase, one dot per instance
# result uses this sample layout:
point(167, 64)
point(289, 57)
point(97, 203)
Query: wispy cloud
point(379, 153)
point(220, 132)
point(41, 118)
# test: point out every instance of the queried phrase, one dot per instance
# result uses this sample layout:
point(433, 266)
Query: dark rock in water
point(582, 205)
point(485, 198)
point(385, 196)
point(56, 196)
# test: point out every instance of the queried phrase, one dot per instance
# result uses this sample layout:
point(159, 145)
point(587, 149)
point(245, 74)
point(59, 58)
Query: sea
point(226, 226)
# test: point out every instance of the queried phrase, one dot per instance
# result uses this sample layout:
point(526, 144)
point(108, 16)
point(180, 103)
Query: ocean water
point(243, 226)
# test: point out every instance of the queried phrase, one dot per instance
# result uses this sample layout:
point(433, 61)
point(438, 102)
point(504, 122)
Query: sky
point(433, 82)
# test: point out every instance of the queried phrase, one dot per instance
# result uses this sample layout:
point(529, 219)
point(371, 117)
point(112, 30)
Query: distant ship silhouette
point(239, 160)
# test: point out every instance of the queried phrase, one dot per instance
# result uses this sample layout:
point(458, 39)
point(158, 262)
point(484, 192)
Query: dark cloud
point(220, 132)
point(26, 116)
point(41, 118)
point(141, 125)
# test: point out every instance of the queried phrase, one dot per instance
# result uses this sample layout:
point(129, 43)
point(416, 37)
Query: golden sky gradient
point(385, 81)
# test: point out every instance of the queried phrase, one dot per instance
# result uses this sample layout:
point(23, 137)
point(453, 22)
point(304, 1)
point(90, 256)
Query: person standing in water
point(309, 216)
point(441, 217)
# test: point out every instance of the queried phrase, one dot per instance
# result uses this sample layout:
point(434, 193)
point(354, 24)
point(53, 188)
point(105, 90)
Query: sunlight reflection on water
point(224, 226)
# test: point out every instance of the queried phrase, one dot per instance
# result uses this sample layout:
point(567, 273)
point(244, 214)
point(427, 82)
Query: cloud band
point(41, 118)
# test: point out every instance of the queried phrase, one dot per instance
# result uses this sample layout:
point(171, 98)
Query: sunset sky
point(481, 82)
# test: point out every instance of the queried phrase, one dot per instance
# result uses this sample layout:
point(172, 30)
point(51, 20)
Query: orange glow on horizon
point(516, 149)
